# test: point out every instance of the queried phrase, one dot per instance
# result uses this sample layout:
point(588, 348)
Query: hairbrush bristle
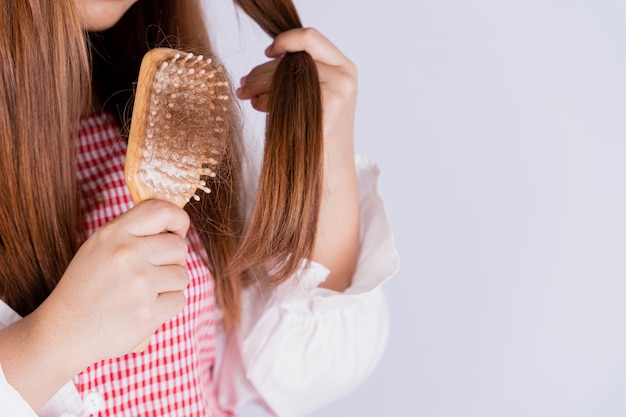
point(179, 129)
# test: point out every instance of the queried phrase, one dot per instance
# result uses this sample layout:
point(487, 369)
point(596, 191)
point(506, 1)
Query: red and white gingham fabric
point(172, 377)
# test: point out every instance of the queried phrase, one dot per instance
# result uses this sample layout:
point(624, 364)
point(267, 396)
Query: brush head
point(180, 126)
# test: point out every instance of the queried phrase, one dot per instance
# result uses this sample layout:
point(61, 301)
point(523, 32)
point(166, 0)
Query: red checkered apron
point(172, 377)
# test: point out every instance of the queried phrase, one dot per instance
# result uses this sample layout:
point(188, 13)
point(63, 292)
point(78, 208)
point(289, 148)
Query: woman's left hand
point(337, 241)
point(338, 79)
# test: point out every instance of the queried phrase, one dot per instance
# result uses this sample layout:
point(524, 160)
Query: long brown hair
point(45, 87)
point(43, 90)
point(284, 222)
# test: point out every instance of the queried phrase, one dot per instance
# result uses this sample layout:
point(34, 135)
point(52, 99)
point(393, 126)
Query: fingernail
point(268, 49)
point(243, 80)
point(238, 92)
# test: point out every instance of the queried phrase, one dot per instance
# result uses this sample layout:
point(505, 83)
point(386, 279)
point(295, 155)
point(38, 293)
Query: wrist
point(34, 362)
point(55, 336)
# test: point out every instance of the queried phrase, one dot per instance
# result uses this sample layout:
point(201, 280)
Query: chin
point(97, 15)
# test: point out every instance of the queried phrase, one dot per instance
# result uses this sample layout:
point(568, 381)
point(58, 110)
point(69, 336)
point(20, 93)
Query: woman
point(92, 276)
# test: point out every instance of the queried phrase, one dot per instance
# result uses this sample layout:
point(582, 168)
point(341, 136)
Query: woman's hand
point(338, 79)
point(338, 228)
point(124, 282)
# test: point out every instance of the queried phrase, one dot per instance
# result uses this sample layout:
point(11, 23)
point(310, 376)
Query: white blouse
point(298, 347)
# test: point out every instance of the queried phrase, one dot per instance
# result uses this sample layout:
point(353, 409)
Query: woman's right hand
point(124, 282)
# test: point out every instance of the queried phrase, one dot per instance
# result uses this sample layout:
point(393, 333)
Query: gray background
point(500, 128)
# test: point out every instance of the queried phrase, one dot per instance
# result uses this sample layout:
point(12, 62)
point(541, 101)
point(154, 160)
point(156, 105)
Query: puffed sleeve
point(298, 346)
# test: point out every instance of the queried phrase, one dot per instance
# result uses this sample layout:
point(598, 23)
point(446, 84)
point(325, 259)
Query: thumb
point(152, 217)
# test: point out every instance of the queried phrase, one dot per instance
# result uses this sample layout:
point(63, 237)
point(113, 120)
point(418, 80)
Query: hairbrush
point(179, 128)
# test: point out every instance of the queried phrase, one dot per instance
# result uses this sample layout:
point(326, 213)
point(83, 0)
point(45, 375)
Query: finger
point(260, 103)
point(165, 249)
point(146, 287)
point(332, 79)
point(256, 87)
point(165, 306)
point(258, 81)
point(169, 304)
point(170, 278)
point(309, 40)
point(156, 216)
